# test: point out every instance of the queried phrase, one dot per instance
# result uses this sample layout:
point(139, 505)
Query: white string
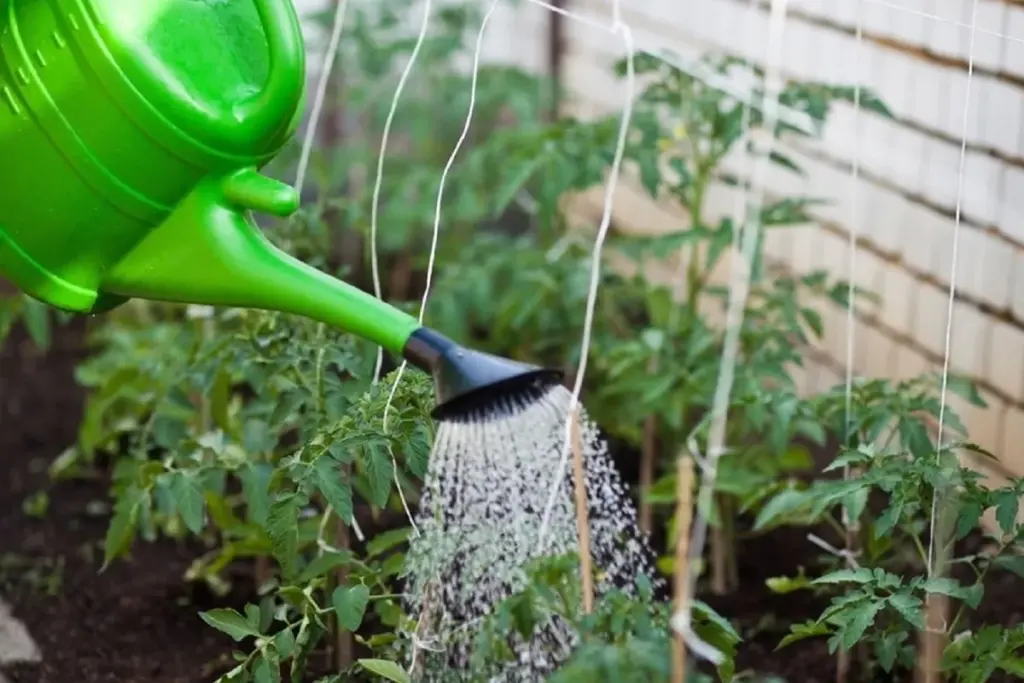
point(595, 274)
point(437, 227)
point(326, 67)
point(330, 56)
point(851, 273)
point(374, 255)
point(739, 287)
point(378, 183)
point(952, 284)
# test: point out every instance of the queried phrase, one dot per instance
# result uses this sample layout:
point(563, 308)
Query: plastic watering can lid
point(229, 72)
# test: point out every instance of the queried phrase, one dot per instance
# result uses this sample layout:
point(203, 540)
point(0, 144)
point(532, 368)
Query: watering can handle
point(273, 106)
point(266, 112)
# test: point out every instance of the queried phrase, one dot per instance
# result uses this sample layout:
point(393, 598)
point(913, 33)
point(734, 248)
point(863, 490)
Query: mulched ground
point(137, 621)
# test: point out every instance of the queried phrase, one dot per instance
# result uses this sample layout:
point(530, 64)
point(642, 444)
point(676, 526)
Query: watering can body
point(112, 112)
point(131, 134)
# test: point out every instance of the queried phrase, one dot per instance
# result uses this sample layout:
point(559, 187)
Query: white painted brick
point(958, 104)
point(909, 160)
point(1017, 297)
point(911, 27)
point(1006, 371)
point(943, 173)
point(877, 19)
point(1001, 117)
point(885, 213)
point(909, 363)
point(897, 308)
point(1013, 53)
point(970, 261)
point(945, 35)
point(930, 319)
point(894, 84)
point(1011, 454)
point(874, 351)
point(1011, 219)
point(997, 271)
point(919, 237)
point(969, 340)
point(981, 191)
point(988, 49)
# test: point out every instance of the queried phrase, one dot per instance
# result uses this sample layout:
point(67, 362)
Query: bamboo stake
point(582, 515)
point(648, 455)
point(681, 575)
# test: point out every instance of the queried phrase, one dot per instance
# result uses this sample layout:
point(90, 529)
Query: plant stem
point(681, 574)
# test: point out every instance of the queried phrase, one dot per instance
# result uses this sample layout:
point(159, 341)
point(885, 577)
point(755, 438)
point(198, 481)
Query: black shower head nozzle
point(468, 382)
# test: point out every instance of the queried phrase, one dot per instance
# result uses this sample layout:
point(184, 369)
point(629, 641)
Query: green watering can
point(131, 134)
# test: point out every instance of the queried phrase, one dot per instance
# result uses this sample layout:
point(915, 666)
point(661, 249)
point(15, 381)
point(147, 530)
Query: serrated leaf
point(350, 605)
point(857, 620)
point(283, 529)
point(1007, 509)
point(256, 490)
point(798, 632)
point(379, 471)
point(329, 481)
point(971, 595)
point(858, 576)
point(230, 622)
point(385, 669)
point(123, 524)
point(387, 540)
point(910, 608)
point(322, 565)
point(188, 499)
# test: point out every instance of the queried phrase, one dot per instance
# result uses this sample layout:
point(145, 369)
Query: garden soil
point(137, 621)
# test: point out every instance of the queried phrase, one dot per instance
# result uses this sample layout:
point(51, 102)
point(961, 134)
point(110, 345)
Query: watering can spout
point(209, 251)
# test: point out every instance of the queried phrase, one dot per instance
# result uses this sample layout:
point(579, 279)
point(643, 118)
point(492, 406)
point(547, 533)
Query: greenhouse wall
point(915, 55)
point(902, 208)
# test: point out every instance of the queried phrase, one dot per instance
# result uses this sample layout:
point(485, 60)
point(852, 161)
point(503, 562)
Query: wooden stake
point(648, 456)
point(681, 575)
point(582, 515)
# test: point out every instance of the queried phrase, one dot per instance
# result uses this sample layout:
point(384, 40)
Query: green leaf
point(1007, 508)
point(379, 471)
point(385, 669)
point(965, 389)
point(230, 622)
point(857, 620)
point(188, 498)
point(387, 540)
point(859, 576)
point(123, 524)
point(336, 492)
point(1013, 563)
point(37, 322)
point(267, 668)
point(256, 490)
point(910, 608)
point(350, 605)
point(798, 632)
point(971, 595)
point(322, 565)
point(283, 529)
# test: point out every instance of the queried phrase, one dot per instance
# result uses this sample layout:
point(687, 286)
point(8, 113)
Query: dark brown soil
point(137, 622)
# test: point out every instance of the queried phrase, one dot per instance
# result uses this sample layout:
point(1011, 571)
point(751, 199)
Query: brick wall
point(903, 208)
